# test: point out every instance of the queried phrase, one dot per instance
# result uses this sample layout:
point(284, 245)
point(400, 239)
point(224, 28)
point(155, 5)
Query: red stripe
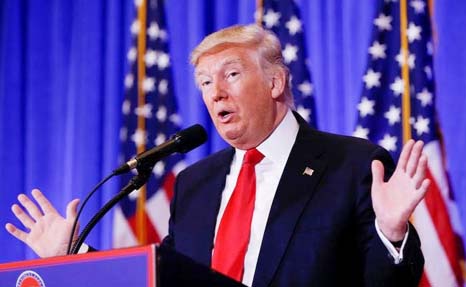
point(424, 281)
point(152, 235)
point(168, 185)
point(439, 214)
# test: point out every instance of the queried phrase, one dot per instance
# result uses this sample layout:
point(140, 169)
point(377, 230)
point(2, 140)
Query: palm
point(48, 231)
point(50, 228)
point(394, 201)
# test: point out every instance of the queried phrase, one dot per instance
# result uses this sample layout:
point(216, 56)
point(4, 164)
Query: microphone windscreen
point(191, 138)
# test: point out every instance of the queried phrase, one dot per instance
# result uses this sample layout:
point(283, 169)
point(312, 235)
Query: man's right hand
point(49, 232)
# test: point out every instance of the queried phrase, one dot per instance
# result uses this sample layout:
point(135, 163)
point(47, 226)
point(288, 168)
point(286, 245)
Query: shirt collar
point(277, 146)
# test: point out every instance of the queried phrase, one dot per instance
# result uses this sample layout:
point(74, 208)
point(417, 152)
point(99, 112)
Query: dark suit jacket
point(320, 230)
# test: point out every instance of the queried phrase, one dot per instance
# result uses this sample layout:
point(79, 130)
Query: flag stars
point(425, 97)
point(159, 169)
point(160, 139)
point(126, 107)
point(361, 132)
point(161, 113)
point(129, 81)
point(372, 79)
point(305, 88)
point(135, 27)
point(294, 25)
point(377, 51)
point(139, 137)
point(271, 18)
point(123, 134)
point(401, 60)
point(163, 87)
point(397, 86)
point(163, 60)
point(383, 22)
point(393, 115)
point(132, 54)
point(175, 119)
point(366, 107)
point(150, 58)
point(155, 32)
point(418, 6)
point(388, 142)
point(290, 53)
point(144, 111)
point(428, 71)
point(430, 48)
point(305, 113)
point(413, 32)
point(148, 85)
point(421, 125)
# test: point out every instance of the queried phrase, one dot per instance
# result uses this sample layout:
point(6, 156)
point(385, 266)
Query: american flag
point(398, 103)
point(150, 118)
point(283, 18)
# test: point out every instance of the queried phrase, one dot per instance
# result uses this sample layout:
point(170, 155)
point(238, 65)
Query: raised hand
point(394, 201)
point(48, 232)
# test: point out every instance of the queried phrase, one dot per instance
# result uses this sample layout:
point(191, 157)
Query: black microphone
point(182, 142)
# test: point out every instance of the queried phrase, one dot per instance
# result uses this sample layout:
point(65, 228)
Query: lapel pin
point(308, 171)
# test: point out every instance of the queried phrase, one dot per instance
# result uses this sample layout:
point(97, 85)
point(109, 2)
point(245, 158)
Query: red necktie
point(233, 233)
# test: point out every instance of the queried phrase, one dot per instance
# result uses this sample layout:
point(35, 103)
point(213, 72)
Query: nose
point(219, 92)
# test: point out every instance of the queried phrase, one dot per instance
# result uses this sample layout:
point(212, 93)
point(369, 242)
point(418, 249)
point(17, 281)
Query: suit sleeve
point(378, 264)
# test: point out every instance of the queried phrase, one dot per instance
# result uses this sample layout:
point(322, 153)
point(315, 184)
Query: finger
point(377, 172)
point(404, 156)
point(19, 234)
point(421, 192)
point(413, 160)
point(72, 209)
point(420, 171)
point(43, 202)
point(22, 216)
point(30, 207)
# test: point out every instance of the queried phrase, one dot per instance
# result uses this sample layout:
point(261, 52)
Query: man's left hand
point(394, 201)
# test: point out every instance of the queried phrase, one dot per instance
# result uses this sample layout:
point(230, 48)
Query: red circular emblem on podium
point(29, 279)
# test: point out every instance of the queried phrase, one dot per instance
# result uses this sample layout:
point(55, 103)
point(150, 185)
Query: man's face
point(240, 96)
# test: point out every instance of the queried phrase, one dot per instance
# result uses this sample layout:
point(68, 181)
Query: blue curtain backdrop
point(62, 65)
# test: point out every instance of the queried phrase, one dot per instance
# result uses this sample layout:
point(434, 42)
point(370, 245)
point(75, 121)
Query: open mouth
point(224, 115)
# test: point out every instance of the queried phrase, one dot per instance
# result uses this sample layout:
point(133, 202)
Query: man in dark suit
point(313, 222)
point(298, 207)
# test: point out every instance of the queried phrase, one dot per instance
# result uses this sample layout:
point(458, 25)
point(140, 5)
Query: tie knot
point(252, 156)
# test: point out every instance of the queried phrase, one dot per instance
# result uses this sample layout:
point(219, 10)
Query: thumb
point(72, 209)
point(377, 172)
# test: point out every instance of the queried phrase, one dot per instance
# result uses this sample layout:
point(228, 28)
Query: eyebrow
point(226, 62)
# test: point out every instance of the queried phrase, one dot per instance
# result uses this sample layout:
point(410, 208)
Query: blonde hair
point(263, 41)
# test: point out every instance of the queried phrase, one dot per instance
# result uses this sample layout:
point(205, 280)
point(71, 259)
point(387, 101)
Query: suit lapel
point(199, 240)
point(295, 189)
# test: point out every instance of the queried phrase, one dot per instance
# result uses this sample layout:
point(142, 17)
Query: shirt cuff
point(396, 254)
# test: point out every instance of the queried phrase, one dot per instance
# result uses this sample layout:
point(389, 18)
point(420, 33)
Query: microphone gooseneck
point(181, 142)
point(135, 183)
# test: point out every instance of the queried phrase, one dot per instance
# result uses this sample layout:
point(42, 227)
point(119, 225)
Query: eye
point(233, 74)
point(205, 83)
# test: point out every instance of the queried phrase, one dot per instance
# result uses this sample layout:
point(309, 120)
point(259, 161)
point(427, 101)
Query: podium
point(136, 267)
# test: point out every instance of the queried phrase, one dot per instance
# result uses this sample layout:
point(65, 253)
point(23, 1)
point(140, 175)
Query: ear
point(278, 83)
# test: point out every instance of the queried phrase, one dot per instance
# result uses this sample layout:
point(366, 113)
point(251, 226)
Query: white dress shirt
point(276, 149)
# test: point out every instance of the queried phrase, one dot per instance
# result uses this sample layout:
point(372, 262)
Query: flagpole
point(141, 229)
point(259, 11)
point(406, 100)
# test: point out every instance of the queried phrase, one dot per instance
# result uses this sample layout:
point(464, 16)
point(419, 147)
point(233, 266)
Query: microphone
point(182, 142)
